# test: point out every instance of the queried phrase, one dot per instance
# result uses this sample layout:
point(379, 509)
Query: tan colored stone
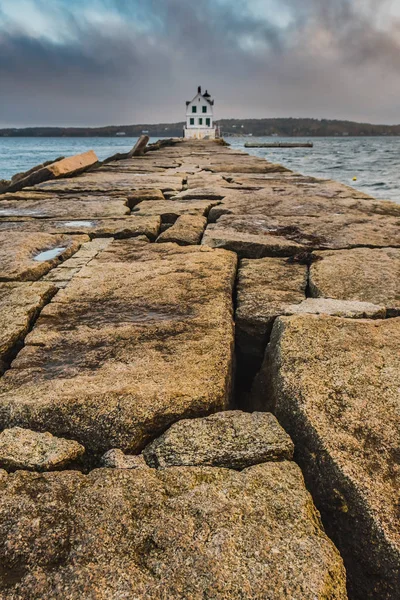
point(116, 459)
point(56, 207)
point(129, 226)
point(362, 274)
point(175, 534)
point(231, 439)
point(141, 337)
point(256, 237)
point(187, 230)
point(20, 303)
point(65, 167)
point(265, 288)
point(334, 385)
point(170, 210)
point(337, 308)
point(34, 451)
point(19, 253)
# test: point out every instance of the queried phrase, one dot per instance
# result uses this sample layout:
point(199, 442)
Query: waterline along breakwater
point(200, 357)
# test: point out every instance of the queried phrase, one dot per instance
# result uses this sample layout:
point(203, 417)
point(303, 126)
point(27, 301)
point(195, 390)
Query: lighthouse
point(200, 117)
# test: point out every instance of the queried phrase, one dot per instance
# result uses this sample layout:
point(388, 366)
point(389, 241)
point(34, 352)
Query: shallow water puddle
point(50, 254)
point(77, 224)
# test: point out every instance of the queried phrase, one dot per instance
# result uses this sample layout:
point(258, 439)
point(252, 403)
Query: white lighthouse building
point(200, 117)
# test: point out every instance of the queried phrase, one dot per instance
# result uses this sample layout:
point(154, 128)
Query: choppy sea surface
point(374, 162)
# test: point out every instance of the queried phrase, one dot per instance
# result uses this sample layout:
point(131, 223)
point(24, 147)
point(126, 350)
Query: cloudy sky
point(99, 62)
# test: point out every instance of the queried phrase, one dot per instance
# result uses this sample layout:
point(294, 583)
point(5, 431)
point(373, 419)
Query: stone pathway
point(142, 296)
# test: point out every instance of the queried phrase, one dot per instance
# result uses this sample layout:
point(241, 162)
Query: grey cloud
point(331, 60)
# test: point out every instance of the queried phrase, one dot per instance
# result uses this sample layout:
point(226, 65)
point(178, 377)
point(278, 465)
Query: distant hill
point(256, 127)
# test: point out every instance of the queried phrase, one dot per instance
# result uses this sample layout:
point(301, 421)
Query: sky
point(103, 62)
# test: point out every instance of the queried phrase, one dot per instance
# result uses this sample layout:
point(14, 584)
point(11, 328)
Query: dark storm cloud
point(123, 61)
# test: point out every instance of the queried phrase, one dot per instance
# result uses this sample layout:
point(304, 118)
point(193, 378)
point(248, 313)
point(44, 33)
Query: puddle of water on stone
point(77, 224)
point(50, 254)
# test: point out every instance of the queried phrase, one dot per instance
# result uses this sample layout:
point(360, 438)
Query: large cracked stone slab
point(129, 226)
point(61, 208)
point(287, 198)
point(29, 256)
point(34, 451)
point(20, 303)
point(187, 230)
point(257, 237)
point(361, 274)
point(141, 337)
point(334, 385)
point(156, 535)
point(231, 439)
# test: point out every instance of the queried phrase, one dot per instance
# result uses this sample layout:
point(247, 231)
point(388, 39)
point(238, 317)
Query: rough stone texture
point(256, 237)
point(364, 274)
point(175, 534)
point(231, 439)
point(337, 308)
point(187, 230)
point(265, 287)
point(18, 251)
point(334, 385)
point(56, 207)
point(170, 211)
point(34, 451)
point(116, 459)
point(141, 336)
point(130, 226)
point(62, 168)
point(20, 303)
point(297, 198)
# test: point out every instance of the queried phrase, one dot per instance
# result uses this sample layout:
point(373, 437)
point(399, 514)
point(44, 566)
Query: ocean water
point(374, 162)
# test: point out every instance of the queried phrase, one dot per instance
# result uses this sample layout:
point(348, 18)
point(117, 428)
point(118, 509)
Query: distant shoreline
point(285, 127)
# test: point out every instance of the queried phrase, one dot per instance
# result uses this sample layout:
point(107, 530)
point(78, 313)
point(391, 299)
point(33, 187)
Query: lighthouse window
point(200, 121)
point(192, 121)
point(208, 122)
point(194, 109)
point(204, 109)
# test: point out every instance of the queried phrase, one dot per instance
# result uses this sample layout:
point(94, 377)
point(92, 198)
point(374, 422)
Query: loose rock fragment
point(34, 451)
point(187, 230)
point(116, 459)
point(231, 439)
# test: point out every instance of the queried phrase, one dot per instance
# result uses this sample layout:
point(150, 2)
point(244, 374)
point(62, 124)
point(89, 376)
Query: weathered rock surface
point(29, 256)
point(264, 290)
point(130, 226)
point(169, 211)
point(339, 400)
point(65, 167)
point(20, 303)
point(141, 337)
point(34, 451)
point(116, 459)
point(156, 535)
point(231, 439)
point(363, 274)
point(187, 230)
point(257, 237)
point(337, 308)
point(55, 207)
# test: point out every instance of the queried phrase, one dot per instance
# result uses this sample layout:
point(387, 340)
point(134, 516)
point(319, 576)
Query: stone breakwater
point(199, 392)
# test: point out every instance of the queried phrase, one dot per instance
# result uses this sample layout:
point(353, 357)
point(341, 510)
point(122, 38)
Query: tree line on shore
point(256, 127)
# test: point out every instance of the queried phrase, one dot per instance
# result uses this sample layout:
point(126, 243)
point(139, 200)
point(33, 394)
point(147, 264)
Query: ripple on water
point(50, 254)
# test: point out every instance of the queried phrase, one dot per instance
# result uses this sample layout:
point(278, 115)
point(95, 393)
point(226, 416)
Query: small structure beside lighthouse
point(200, 117)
